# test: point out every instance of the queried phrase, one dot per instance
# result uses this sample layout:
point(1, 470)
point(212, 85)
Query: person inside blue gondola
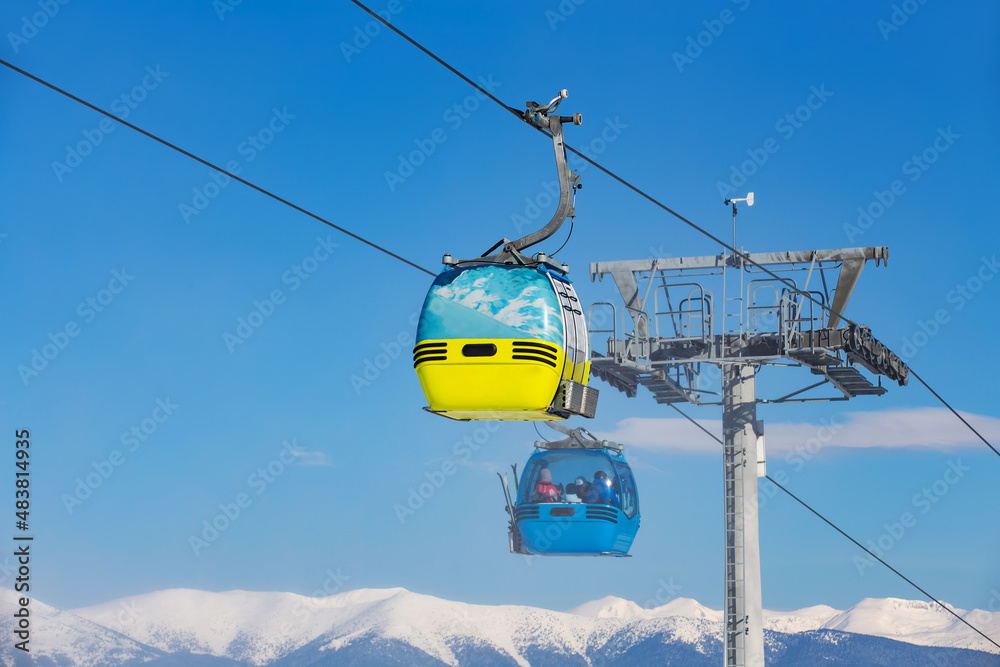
point(545, 491)
point(601, 491)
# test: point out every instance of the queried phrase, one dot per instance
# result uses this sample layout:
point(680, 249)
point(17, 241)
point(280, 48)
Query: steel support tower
point(669, 332)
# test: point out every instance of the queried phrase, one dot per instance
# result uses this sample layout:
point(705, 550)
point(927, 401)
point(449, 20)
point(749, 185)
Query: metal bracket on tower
point(676, 328)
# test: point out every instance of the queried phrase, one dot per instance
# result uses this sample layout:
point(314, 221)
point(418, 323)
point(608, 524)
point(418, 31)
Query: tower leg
point(743, 634)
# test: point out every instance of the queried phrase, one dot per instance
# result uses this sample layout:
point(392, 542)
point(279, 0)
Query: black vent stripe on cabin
point(429, 352)
point(527, 512)
point(535, 351)
point(599, 512)
point(602, 512)
point(521, 351)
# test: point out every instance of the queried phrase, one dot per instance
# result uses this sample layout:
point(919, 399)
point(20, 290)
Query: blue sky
point(310, 425)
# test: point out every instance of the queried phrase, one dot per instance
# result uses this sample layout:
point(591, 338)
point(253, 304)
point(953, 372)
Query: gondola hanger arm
point(545, 117)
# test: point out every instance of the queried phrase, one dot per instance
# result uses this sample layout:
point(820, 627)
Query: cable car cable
point(900, 574)
point(954, 411)
point(451, 69)
point(586, 404)
point(641, 193)
point(836, 528)
point(743, 257)
point(417, 266)
point(585, 158)
point(213, 166)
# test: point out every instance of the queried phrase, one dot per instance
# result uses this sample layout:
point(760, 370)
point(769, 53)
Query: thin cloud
point(303, 458)
point(913, 428)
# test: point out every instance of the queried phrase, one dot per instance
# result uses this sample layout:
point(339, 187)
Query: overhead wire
point(954, 411)
point(839, 530)
point(584, 157)
point(897, 572)
point(268, 193)
point(213, 166)
point(744, 257)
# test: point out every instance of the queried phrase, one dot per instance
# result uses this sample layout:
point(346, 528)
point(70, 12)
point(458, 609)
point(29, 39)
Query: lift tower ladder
point(669, 326)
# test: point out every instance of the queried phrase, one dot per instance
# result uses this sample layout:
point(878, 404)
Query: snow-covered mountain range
point(397, 627)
